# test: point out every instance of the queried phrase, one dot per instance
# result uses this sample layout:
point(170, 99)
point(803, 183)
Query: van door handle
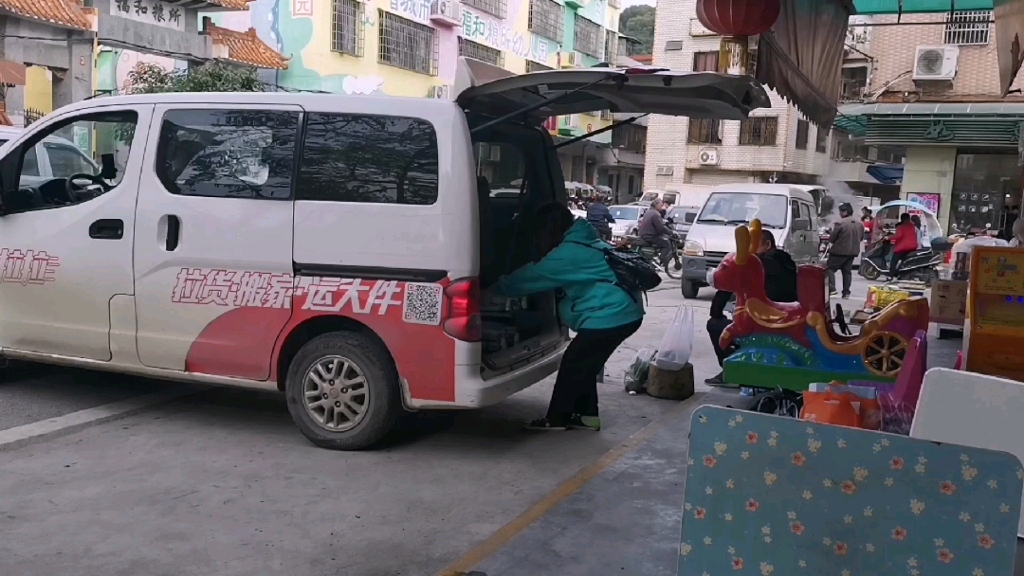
point(107, 229)
point(173, 232)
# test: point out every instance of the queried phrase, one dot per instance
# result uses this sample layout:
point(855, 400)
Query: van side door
point(213, 246)
point(66, 247)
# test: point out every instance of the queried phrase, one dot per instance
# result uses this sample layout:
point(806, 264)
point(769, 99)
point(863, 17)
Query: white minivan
point(788, 211)
point(330, 247)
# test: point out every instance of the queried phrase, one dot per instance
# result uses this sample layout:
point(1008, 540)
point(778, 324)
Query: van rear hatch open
point(483, 88)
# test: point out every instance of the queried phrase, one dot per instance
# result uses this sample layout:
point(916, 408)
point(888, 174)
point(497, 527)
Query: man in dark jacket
point(845, 240)
point(779, 286)
point(600, 218)
point(654, 232)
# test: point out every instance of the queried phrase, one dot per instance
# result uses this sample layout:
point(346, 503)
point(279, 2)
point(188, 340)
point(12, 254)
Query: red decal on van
point(245, 342)
point(34, 267)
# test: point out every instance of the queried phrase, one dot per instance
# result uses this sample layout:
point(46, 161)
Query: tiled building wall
point(667, 135)
point(894, 49)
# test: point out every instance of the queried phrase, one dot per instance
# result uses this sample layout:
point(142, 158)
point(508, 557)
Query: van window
point(794, 210)
point(649, 197)
point(67, 160)
point(625, 212)
point(669, 198)
point(732, 208)
point(365, 158)
point(228, 153)
point(30, 163)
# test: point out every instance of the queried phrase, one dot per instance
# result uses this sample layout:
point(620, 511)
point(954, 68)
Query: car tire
point(690, 289)
point(345, 367)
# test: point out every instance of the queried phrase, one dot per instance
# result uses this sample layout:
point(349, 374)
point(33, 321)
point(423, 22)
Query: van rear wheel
point(343, 391)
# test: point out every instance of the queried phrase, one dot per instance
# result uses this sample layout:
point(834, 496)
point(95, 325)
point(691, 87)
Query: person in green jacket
point(601, 313)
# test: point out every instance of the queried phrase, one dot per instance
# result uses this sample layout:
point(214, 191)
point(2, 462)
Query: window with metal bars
point(588, 37)
point(406, 44)
point(968, 27)
point(478, 51)
point(532, 66)
point(547, 18)
point(347, 27)
point(705, 61)
point(611, 41)
point(704, 131)
point(495, 7)
point(760, 131)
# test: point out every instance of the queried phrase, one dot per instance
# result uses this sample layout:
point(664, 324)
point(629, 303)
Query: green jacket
point(592, 299)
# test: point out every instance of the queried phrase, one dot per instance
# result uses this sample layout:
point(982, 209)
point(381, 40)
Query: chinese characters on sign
point(928, 200)
point(217, 287)
point(27, 267)
point(418, 10)
point(152, 12)
point(302, 8)
point(487, 30)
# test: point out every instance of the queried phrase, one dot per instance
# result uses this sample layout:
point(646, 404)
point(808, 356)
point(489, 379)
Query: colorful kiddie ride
point(791, 345)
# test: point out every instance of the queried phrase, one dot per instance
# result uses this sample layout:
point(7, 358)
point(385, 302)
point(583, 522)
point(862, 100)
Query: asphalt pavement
point(220, 481)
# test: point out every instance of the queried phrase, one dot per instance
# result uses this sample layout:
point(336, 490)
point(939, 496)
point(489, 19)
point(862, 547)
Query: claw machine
point(994, 326)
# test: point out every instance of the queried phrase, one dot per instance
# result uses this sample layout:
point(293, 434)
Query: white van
point(788, 211)
point(331, 247)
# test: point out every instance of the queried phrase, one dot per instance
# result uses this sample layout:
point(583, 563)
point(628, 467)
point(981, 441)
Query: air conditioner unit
point(935, 62)
point(442, 92)
point(708, 157)
point(446, 12)
point(665, 171)
point(572, 59)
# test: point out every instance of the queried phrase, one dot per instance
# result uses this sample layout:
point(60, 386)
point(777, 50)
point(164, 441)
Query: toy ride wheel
point(884, 353)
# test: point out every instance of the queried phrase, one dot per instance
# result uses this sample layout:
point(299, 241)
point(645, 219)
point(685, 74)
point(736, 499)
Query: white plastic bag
point(677, 344)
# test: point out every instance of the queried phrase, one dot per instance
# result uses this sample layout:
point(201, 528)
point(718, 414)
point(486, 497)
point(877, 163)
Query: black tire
point(383, 404)
point(870, 272)
point(674, 267)
point(690, 289)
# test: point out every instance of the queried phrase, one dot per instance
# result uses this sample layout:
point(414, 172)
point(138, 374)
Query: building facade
point(933, 91)
point(774, 145)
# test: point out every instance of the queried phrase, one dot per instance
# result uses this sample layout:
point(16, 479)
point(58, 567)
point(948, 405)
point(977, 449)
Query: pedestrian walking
point(844, 247)
point(593, 304)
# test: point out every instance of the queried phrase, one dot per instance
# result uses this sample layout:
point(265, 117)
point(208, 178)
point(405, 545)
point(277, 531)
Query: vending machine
point(994, 327)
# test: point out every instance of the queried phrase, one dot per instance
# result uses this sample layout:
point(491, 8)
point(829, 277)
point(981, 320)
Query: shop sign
point(152, 12)
point(979, 132)
point(927, 200)
point(937, 131)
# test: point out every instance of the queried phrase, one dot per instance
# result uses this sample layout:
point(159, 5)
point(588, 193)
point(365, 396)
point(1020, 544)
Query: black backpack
point(633, 272)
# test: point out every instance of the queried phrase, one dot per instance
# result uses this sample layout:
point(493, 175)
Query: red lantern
point(738, 17)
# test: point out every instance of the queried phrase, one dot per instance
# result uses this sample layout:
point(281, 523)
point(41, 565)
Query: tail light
point(463, 320)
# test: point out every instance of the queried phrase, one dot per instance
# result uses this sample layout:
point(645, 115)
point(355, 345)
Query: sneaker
point(846, 296)
point(543, 424)
point(716, 380)
point(577, 422)
point(833, 293)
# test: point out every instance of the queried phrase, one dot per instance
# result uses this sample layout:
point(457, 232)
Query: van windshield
point(648, 196)
point(625, 212)
point(733, 208)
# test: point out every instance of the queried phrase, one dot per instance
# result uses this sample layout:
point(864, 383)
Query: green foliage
point(638, 22)
point(148, 78)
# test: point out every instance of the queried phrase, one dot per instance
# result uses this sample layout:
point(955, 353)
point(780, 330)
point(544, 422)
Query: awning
point(12, 73)
point(918, 6)
point(802, 55)
point(887, 173)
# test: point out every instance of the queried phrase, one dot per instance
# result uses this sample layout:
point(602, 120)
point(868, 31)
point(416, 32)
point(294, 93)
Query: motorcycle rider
point(904, 243)
point(654, 232)
point(600, 218)
point(844, 241)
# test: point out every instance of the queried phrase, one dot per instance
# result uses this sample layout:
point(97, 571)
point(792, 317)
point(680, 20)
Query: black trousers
point(576, 384)
point(894, 264)
point(664, 247)
point(845, 265)
point(715, 328)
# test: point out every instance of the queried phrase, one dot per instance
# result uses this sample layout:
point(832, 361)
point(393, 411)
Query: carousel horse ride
point(792, 344)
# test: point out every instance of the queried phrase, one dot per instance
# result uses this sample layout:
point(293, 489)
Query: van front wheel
point(343, 391)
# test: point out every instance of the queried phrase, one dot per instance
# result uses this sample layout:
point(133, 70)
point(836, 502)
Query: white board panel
point(972, 410)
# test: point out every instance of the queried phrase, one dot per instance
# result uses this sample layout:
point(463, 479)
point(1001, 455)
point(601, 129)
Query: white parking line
point(69, 423)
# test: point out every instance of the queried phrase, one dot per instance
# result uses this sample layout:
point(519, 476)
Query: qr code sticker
point(422, 304)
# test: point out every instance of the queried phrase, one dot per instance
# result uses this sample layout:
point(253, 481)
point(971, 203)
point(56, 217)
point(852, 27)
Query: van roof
point(791, 190)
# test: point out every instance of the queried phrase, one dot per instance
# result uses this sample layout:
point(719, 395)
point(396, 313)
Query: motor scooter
point(920, 265)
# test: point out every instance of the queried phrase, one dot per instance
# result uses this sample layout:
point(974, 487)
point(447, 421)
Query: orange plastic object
point(994, 327)
point(831, 407)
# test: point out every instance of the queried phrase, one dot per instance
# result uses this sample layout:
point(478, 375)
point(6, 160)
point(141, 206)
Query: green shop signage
point(977, 131)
